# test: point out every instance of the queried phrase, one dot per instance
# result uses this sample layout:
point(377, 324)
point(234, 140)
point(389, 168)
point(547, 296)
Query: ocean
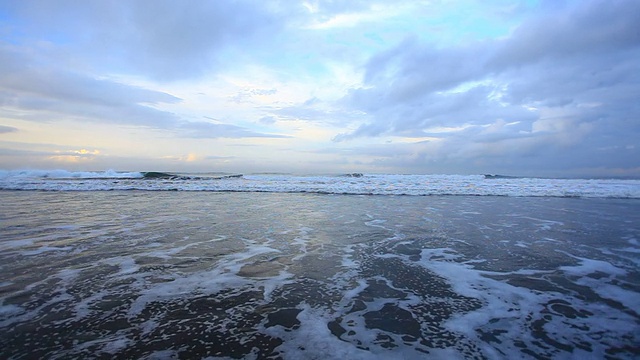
point(355, 266)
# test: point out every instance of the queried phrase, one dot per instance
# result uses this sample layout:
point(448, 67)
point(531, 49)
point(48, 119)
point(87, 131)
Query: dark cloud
point(7, 129)
point(19, 152)
point(410, 69)
point(176, 39)
point(592, 28)
point(436, 109)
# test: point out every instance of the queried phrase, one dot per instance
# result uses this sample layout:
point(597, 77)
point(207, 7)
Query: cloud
point(564, 80)
point(214, 157)
point(336, 14)
point(203, 129)
point(74, 156)
point(32, 92)
point(46, 152)
point(246, 95)
point(316, 111)
point(267, 120)
point(527, 85)
point(47, 94)
point(163, 39)
point(7, 129)
point(19, 152)
point(410, 69)
point(436, 109)
point(592, 28)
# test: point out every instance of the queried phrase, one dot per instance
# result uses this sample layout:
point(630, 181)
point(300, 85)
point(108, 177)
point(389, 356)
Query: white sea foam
point(178, 266)
point(590, 266)
point(605, 290)
point(224, 275)
point(44, 249)
point(506, 306)
point(15, 244)
point(313, 340)
point(10, 310)
point(169, 354)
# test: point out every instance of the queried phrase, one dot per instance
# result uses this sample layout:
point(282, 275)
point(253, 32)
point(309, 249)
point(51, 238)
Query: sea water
point(353, 184)
point(263, 270)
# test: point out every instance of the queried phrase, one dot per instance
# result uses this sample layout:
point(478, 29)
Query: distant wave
point(109, 174)
point(170, 176)
point(345, 184)
point(490, 176)
point(65, 174)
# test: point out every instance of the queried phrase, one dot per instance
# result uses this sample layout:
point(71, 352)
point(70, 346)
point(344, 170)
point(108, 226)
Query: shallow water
point(138, 274)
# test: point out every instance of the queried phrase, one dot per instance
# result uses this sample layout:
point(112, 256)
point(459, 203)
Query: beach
point(178, 274)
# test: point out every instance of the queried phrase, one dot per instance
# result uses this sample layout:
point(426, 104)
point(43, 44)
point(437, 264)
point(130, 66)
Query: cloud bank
point(522, 87)
point(557, 92)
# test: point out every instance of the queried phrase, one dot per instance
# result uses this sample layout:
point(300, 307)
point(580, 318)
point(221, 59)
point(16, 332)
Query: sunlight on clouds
point(312, 8)
point(466, 86)
point(343, 78)
point(446, 129)
point(375, 13)
point(345, 20)
point(67, 158)
point(311, 133)
point(236, 95)
point(497, 125)
point(86, 152)
point(191, 157)
point(74, 156)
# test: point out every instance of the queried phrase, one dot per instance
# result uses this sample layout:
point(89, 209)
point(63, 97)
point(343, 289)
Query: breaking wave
point(349, 184)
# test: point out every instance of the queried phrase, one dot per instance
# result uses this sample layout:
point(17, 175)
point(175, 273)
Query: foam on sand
point(244, 275)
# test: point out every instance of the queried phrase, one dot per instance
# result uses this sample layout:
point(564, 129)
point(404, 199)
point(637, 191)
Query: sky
point(532, 88)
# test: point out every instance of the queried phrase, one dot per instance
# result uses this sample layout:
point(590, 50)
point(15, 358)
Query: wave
point(109, 174)
point(65, 174)
point(347, 184)
point(170, 176)
point(491, 176)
